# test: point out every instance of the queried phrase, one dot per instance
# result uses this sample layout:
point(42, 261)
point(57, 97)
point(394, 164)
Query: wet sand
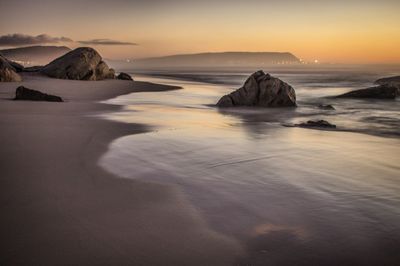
point(60, 208)
point(290, 196)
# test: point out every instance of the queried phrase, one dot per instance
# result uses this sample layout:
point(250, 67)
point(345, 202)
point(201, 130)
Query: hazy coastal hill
point(225, 59)
point(35, 55)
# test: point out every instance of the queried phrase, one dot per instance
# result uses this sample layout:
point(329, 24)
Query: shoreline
point(286, 194)
point(60, 207)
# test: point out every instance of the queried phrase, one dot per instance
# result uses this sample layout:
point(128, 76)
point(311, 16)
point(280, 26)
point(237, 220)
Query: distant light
point(128, 61)
point(316, 61)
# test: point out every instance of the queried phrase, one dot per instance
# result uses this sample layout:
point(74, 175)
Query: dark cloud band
point(106, 42)
point(22, 39)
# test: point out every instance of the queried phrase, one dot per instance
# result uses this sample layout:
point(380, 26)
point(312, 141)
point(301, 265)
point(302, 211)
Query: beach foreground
point(60, 208)
point(290, 196)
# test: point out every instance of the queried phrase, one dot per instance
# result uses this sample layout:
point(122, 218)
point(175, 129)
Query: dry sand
point(60, 208)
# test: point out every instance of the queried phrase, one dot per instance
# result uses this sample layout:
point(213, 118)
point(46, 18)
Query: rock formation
point(124, 76)
point(326, 107)
point(390, 80)
point(316, 124)
point(7, 72)
point(26, 94)
point(80, 64)
point(388, 91)
point(263, 90)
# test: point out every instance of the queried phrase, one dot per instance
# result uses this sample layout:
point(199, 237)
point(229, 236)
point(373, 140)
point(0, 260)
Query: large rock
point(389, 91)
point(124, 76)
point(7, 72)
point(80, 64)
point(263, 90)
point(26, 94)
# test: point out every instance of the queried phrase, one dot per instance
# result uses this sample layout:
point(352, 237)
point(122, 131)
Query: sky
point(338, 31)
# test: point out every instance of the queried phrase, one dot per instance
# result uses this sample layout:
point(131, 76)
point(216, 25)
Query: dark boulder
point(83, 63)
point(262, 90)
point(380, 92)
point(7, 72)
point(26, 94)
point(316, 124)
point(124, 76)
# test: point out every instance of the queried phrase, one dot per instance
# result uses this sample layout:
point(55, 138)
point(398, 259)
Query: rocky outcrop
point(124, 76)
point(316, 124)
point(388, 91)
point(80, 64)
point(262, 90)
point(7, 72)
point(26, 94)
point(390, 80)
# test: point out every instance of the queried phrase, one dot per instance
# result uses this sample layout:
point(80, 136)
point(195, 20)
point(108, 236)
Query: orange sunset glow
point(331, 32)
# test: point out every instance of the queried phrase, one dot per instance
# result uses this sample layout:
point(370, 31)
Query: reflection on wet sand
point(291, 196)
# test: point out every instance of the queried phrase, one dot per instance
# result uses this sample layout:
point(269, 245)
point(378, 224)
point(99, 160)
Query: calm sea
point(290, 196)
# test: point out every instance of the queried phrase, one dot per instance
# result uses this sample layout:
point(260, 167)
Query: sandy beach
point(60, 208)
point(199, 133)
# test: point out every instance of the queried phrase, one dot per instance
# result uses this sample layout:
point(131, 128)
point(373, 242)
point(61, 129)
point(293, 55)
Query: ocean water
point(289, 196)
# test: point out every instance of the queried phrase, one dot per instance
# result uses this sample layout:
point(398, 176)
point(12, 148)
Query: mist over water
point(288, 195)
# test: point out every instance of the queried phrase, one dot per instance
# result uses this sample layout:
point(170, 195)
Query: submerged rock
point(388, 80)
point(316, 124)
point(326, 107)
point(124, 76)
point(26, 94)
point(7, 72)
point(80, 64)
point(388, 91)
point(263, 90)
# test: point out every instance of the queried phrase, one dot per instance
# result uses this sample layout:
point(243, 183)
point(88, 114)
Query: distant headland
point(223, 59)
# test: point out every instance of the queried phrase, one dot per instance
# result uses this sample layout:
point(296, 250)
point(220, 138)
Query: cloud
point(17, 39)
point(106, 42)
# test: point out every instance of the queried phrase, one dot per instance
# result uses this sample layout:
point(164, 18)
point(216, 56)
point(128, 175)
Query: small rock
point(26, 94)
point(104, 72)
point(326, 107)
point(124, 76)
point(316, 124)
